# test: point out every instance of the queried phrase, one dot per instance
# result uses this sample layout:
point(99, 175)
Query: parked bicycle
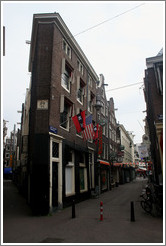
point(152, 197)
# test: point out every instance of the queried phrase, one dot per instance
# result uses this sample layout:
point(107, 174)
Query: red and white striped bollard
point(101, 211)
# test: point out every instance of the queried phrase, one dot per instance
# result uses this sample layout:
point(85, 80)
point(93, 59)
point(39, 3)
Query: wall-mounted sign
point(160, 117)
point(42, 104)
point(53, 129)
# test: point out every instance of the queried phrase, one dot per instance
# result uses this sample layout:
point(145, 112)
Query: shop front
point(104, 178)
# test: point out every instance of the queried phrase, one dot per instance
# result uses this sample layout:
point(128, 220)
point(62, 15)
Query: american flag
point(88, 133)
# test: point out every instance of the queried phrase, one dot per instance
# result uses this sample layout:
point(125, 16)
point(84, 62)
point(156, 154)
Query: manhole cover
point(52, 240)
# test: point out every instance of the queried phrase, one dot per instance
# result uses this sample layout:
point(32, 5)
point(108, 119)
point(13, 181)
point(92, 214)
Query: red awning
point(104, 162)
point(117, 164)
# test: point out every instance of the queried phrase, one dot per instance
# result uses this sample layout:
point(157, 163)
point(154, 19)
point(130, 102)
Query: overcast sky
point(129, 32)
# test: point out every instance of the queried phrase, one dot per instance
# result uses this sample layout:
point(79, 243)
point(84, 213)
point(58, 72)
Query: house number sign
point(42, 104)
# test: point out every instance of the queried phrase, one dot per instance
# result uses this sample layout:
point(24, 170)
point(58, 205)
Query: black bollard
point(132, 212)
point(73, 209)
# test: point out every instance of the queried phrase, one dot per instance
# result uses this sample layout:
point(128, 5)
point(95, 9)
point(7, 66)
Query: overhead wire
point(124, 86)
point(116, 16)
point(101, 23)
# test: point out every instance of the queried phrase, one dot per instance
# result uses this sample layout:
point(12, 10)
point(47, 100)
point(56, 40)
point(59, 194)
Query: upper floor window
point(91, 97)
point(65, 112)
point(89, 81)
point(103, 108)
point(67, 75)
point(80, 67)
point(66, 48)
point(159, 77)
point(80, 89)
point(106, 110)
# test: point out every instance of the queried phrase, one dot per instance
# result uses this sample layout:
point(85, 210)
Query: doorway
point(54, 184)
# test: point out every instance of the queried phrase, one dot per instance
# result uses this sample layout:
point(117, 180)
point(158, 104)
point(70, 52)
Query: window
point(69, 175)
point(106, 129)
point(55, 149)
point(91, 96)
point(66, 78)
point(106, 110)
point(80, 67)
point(65, 112)
point(83, 173)
point(159, 77)
point(8, 147)
point(103, 108)
point(66, 48)
point(104, 150)
point(80, 90)
point(7, 155)
point(89, 81)
point(67, 75)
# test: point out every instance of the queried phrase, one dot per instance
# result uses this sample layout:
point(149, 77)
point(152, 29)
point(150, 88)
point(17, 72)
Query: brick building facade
point(56, 164)
point(153, 91)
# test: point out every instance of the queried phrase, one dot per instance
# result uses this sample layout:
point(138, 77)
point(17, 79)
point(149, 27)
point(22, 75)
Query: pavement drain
point(52, 240)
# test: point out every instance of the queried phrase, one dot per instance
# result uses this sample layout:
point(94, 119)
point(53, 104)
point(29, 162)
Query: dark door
point(54, 184)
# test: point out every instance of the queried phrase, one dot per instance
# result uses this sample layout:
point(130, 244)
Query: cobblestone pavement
point(19, 226)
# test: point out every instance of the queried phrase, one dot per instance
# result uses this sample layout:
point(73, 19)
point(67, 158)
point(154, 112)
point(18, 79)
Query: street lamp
point(98, 104)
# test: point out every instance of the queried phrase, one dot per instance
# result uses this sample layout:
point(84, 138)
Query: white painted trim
point(57, 139)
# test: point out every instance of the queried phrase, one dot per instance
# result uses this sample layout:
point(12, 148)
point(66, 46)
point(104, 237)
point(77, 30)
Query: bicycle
point(152, 200)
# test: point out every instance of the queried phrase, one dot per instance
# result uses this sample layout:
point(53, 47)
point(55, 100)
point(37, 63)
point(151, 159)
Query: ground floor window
point(83, 178)
point(69, 178)
point(70, 175)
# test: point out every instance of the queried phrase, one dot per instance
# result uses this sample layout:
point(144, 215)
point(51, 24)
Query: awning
point(104, 162)
point(117, 164)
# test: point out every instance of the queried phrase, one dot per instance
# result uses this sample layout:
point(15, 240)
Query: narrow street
point(19, 226)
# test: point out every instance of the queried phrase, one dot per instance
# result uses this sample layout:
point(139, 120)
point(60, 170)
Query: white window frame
point(68, 118)
point(82, 91)
point(80, 67)
point(66, 48)
point(89, 81)
point(63, 83)
point(70, 165)
point(82, 165)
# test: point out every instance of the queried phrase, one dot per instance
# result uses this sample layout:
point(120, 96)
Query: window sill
point(70, 194)
point(65, 88)
point(64, 129)
point(82, 191)
point(79, 101)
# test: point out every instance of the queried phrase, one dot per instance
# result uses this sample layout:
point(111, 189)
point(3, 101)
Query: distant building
point(9, 153)
point(126, 141)
point(4, 131)
point(125, 156)
point(153, 90)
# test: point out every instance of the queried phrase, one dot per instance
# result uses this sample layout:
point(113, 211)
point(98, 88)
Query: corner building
point(63, 82)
